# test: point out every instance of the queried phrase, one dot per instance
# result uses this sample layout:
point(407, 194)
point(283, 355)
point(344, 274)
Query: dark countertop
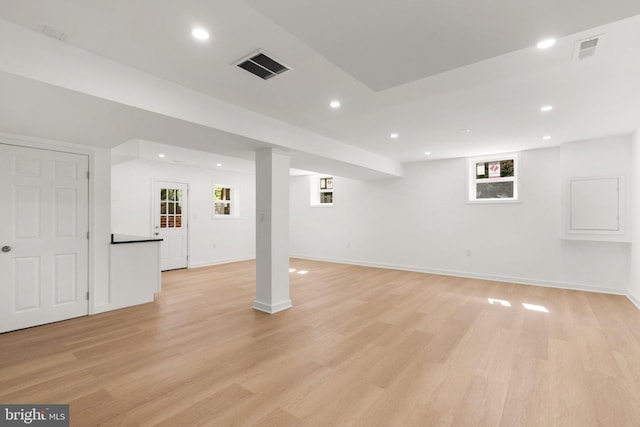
point(123, 238)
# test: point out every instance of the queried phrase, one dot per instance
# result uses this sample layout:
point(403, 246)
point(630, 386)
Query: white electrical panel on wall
point(595, 204)
point(594, 208)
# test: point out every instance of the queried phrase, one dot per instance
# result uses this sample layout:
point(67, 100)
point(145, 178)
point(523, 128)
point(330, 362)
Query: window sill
point(492, 201)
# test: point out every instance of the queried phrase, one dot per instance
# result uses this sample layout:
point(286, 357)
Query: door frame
point(25, 141)
point(154, 212)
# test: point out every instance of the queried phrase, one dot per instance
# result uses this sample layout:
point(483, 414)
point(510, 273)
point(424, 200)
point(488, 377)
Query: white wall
point(211, 241)
point(634, 286)
point(422, 222)
point(100, 229)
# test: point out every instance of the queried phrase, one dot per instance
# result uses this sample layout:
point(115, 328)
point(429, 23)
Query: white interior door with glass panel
point(170, 224)
point(44, 205)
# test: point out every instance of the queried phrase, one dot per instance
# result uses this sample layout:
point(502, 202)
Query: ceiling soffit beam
point(34, 56)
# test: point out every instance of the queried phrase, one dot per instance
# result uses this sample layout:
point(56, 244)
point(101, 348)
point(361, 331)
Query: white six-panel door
point(170, 223)
point(43, 236)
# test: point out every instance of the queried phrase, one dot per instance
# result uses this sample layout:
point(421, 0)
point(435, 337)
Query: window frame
point(317, 190)
point(171, 219)
point(472, 179)
point(233, 202)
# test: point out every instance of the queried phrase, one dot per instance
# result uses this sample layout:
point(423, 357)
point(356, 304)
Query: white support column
point(272, 231)
point(634, 285)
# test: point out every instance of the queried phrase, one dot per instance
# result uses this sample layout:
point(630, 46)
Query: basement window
point(321, 190)
point(326, 190)
point(225, 201)
point(493, 179)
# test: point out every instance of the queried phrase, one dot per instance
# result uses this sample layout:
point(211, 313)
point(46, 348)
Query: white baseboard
point(220, 261)
point(633, 299)
point(272, 308)
point(472, 275)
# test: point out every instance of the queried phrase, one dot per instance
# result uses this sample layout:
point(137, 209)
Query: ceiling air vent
point(262, 65)
point(53, 33)
point(586, 48)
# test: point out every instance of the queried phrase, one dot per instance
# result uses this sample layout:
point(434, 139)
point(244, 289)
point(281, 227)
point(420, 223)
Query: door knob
point(6, 249)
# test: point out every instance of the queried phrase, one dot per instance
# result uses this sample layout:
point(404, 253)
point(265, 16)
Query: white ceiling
point(386, 44)
point(425, 70)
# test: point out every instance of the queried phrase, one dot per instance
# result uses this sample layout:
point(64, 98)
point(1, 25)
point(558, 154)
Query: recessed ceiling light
point(334, 104)
point(394, 135)
point(545, 44)
point(218, 164)
point(546, 108)
point(427, 153)
point(162, 156)
point(200, 34)
point(465, 130)
point(546, 137)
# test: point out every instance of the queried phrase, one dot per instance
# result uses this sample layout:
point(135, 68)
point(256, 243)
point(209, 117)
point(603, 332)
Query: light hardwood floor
point(361, 347)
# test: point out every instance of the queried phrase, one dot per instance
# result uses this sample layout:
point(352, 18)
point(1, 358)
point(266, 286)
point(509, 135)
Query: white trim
point(234, 202)
point(472, 180)
point(154, 208)
point(155, 212)
point(633, 299)
point(315, 191)
point(272, 308)
point(490, 201)
point(71, 148)
point(104, 308)
point(47, 144)
point(221, 261)
point(472, 275)
point(622, 234)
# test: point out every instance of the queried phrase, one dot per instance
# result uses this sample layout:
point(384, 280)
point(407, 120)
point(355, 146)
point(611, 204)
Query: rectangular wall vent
point(586, 48)
point(262, 65)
